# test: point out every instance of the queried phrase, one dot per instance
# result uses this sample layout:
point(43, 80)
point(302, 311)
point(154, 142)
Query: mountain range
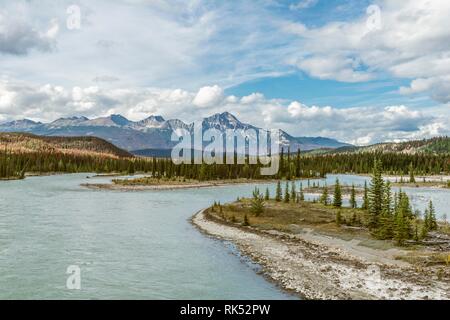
point(151, 136)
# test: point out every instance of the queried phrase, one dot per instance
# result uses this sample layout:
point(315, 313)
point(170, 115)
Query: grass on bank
point(297, 218)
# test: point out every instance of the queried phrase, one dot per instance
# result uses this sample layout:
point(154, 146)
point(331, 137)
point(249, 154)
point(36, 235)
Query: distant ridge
point(436, 145)
point(152, 133)
point(30, 143)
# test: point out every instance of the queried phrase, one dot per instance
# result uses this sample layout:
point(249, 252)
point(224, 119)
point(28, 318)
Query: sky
point(358, 71)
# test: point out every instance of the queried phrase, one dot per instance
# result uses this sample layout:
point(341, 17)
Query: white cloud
point(18, 37)
point(438, 87)
point(333, 67)
point(174, 43)
point(412, 43)
point(126, 68)
point(252, 98)
point(208, 96)
point(362, 125)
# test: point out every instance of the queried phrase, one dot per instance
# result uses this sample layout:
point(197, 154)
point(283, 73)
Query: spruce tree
point(302, 195)
point(257, 203)
point(353, 203)
point(293, 192)
point(278, 192)
point(246, 221)
point(365, 204)
point(324, 197)
point(386, 221)
point(432, 217)
point(267, 196)
point(286, 193)
point(402, 226)
point(337, 197)
point(376, 195)
point(412, 179)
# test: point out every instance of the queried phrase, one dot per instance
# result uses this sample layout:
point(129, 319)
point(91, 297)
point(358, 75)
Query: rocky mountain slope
point(152, 133)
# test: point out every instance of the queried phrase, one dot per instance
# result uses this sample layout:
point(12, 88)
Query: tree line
point(15, 164)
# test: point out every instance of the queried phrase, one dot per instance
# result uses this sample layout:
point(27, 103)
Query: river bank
point(171, 185)
point(317, 266)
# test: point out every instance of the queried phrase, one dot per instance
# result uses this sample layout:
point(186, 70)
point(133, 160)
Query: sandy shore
point(320, 267)
point(124, 187)
point(112, 186)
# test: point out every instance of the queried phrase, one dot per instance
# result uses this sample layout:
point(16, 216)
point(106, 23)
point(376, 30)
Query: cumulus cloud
point(362, 125)
point(334, 67)
point(17, 37)
point(208, 96)
point(412, 43)
point(438, 87)
point(252, 98)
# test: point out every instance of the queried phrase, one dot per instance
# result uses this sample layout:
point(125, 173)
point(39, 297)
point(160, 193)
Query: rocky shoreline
point(320, 267)
point(169, 186)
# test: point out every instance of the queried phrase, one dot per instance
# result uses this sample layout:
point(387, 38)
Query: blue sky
point(358, 71)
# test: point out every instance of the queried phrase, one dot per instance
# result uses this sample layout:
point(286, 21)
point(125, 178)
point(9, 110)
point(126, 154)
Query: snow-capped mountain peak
point(152, 122)
point(153, 133)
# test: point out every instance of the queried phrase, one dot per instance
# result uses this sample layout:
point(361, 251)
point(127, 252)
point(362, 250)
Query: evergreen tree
point(293, 192)
point(131, 169)
point(376, 195)
point(337, 197)
point(412, 179)
point(386, 222)
point(257, 203)
point(302, 195)
point(365, 204)
point(267, 196)
point(278, 192)
point(286, 193)
point(246, 221)
point(402, 226)
point(432, 217)
point(324, 197)
point(353, 203)
point(425, 226)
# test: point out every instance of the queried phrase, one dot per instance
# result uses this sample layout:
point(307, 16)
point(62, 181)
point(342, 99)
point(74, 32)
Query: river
point(128, 245)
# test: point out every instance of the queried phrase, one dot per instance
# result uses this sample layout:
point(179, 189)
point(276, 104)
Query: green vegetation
point(286, 194)
point(353, 203)
point(28, 153)
point(10, 166)
point(393, 163)
point(386, 217)
point(324, 199)
point(337, 197)
point(412, 179)
point(278, 192)
point(433, 146)
point(301, 196)
point(267, 194)
point(257, 203)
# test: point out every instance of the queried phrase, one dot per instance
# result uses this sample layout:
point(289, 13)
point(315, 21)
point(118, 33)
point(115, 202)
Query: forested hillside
point(438, 146)
point(21, 153)
point(29, 143)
